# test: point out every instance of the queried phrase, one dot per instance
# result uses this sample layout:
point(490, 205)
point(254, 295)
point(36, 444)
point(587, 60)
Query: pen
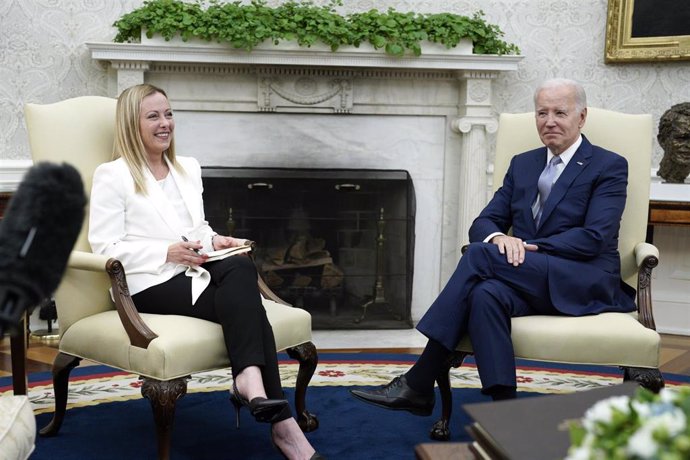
point(184, 238)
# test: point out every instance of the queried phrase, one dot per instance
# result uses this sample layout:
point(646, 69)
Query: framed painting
point(647, 30)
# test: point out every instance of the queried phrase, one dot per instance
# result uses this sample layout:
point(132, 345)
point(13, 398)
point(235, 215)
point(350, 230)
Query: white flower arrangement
point(647, 426)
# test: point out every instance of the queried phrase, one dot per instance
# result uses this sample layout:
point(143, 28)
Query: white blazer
point(137, 229)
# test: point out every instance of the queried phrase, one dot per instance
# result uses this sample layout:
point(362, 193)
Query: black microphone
point(37, 234)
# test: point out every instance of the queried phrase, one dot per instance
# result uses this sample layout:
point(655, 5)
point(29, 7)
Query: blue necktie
point(546, 180)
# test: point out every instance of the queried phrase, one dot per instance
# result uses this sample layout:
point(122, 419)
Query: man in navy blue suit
point(564, 203)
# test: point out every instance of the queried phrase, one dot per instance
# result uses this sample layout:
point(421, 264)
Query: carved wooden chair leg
point(650, 379)
point(308, 359)
point(440, 431)
point(62, 366)
point(163, 396)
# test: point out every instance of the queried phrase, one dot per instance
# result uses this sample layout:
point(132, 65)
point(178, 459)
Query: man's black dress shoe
point(398, 395)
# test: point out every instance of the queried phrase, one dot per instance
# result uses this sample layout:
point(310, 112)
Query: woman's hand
point(223, 242)
point(513, 248)
point(186, 253)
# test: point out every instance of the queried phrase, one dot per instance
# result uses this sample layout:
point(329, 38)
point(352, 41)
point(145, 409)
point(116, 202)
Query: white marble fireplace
point(307, 108)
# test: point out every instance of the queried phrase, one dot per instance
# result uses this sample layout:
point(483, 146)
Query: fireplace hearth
point(337, 242)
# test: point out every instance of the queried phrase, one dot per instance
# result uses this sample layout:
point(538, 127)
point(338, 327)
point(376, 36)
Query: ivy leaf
point(378, 41)
point(395, 49)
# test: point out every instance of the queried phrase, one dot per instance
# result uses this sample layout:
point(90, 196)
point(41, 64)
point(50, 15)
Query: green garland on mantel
point(245, 25)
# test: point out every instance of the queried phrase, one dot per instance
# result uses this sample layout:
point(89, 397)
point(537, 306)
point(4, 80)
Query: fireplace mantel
point(434, 56)
point(354, 108)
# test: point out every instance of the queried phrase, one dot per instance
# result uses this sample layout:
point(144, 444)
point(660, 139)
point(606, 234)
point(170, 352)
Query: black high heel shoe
point(264, 410)
point(315, 455)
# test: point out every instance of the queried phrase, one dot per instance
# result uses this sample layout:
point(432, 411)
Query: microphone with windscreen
point(37, 234)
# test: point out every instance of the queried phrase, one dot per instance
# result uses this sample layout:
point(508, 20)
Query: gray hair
point(580, 96)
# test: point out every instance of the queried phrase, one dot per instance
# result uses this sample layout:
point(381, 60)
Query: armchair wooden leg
point(308, 359)
point(62, 366)
point(440, 431)
point(163, 396)
point(650, 379)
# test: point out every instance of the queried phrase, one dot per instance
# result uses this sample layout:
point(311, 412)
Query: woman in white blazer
point(147, 211)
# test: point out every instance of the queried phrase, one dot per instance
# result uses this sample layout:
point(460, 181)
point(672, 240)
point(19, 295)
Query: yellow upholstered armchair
point(164, 349)
point(627, 340)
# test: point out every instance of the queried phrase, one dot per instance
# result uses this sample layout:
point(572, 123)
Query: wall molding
point(11, 173)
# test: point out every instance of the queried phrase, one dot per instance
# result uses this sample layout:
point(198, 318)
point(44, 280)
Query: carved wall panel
point(291, 92)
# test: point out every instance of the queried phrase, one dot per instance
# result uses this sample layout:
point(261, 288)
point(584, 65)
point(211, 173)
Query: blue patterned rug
point(108, 419)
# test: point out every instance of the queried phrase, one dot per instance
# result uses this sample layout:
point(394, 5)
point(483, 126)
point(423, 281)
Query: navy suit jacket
point(579, 225)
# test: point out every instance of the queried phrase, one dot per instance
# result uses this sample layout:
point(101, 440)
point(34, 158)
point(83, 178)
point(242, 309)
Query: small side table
point(676, 213)
point(444, 451)
point(18, 346)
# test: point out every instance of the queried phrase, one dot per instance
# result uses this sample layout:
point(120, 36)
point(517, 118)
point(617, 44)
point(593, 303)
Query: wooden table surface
point(669, 213)
point(444, 451)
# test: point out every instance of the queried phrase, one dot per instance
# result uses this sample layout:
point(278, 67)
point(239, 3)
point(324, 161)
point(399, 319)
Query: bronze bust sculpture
point(674, 138)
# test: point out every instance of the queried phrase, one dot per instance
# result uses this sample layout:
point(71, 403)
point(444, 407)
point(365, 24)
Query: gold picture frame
point(622, 46)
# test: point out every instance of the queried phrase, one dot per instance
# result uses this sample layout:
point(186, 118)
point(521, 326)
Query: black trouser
point(232, 299)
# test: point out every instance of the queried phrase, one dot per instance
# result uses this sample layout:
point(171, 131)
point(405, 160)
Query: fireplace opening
point(336, 242)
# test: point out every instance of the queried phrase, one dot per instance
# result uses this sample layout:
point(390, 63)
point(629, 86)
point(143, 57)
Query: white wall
point(43, 59)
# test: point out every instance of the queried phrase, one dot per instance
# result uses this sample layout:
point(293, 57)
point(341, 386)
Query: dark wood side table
point(18, 344)
point(444, 451)
point(676, 213)
point(4, 199)
point(18, 347)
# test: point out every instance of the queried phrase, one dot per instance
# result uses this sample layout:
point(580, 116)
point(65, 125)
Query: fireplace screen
point(338, 243)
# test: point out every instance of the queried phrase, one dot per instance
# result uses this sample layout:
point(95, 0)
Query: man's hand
point(513, 248)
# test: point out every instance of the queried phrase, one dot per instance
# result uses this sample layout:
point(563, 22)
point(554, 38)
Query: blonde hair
point(128, 142)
